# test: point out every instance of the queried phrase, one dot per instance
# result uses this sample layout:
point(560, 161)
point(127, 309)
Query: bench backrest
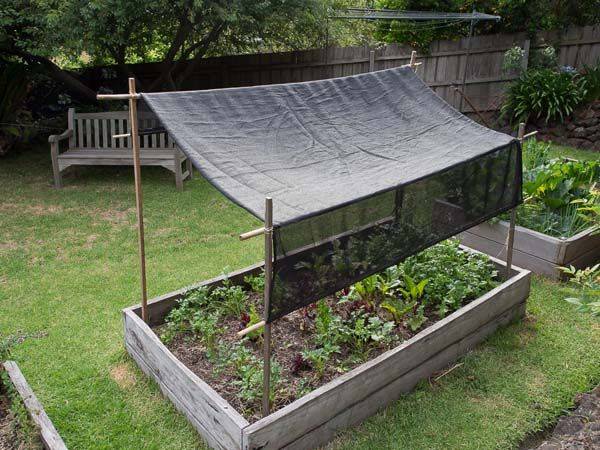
point(95, 130)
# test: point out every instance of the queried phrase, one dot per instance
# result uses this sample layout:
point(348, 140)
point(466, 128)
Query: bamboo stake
point(132, 96)
point(251, 328)
point(135, 146)
point(251, 234)
point(118, 96)
point(413, 60)
point(268, 281)
point(510, 240)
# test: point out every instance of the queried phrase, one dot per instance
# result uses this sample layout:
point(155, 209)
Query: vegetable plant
point(587, 283)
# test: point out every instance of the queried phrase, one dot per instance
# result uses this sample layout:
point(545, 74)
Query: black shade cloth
point(363, 170)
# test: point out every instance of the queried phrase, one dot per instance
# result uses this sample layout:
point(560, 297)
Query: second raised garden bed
point(535, 251)
point(315, 418)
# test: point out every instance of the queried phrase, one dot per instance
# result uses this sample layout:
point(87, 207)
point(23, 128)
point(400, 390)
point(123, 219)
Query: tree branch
point(73, 85)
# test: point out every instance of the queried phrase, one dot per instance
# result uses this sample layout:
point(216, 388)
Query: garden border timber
point(48, 434)
point(317, 417)
point(535, 251)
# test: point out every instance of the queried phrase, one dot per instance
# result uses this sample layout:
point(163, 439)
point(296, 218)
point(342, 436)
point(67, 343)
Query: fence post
point(372, 61)
point(525, 61)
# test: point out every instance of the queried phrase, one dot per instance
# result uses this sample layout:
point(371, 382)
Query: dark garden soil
point(290, 336)
point(9, 436)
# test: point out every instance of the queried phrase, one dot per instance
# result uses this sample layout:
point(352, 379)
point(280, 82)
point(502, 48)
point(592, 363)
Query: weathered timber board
point(208, 412)
point(588, 241)
point(315, 418)
point(535, 251)
point(320, 406)
point(48, 434)
point(366, 407)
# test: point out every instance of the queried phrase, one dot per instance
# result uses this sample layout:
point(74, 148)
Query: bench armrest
point(59, 137)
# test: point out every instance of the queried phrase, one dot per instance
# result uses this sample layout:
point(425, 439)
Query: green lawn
point(68, 264)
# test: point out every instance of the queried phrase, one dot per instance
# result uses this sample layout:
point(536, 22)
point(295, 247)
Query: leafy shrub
point(545, 94)
point(562, 196)
point(513, 60)
point(14, 88)
point(454, 276)
point(587, 283)
point(591, 75)
point(544, 58)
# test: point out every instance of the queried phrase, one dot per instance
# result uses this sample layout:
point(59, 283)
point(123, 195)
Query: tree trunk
point(72, 84)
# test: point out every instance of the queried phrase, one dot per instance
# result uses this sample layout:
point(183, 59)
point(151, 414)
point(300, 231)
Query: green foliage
point(204, 325)
point(6, 344)
point(544, 58)
point(587, 283)
point(513, 60)
point(557, 183)
point(561, 196)
point(320, 356)
point(454, 276)
point(14, 87)
point(233, 300)
point(591, 75)
point(256, 282)
point(517, 16)
point(545, 94)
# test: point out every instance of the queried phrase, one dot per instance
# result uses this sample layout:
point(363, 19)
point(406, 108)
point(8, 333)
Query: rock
point(587, 122)
point(578, 133)
point(549, 446)
point(594, 137)
point(579, 143)
point(589, 407)
point(571, 126)
point(594, 129)
point(568, 425)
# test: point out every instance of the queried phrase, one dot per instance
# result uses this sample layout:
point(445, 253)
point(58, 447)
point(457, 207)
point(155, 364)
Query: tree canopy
point(54, 34)
point(517, 15)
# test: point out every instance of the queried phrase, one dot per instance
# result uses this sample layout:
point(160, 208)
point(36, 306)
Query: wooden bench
point(91, 143)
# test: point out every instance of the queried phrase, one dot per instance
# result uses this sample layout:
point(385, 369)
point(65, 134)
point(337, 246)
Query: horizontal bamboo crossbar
point(117, 96)
point(529, 135)
point(251, 328)
point(251, 234)
point(117, 136)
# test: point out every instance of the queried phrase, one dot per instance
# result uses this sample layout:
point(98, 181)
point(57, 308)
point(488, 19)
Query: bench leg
point(55, 168)
point(190, 168)
point(178, 174)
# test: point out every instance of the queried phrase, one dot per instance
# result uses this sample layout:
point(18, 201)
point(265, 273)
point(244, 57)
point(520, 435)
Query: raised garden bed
point(48, 436)
point(535, 251)
point(559, 217)
point(316, 417)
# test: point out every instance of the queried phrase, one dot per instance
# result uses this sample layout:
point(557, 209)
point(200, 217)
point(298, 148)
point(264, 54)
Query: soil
point(291, 335)
point(9, 438)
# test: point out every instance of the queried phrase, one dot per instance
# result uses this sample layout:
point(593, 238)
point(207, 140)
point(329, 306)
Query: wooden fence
point(443, 67)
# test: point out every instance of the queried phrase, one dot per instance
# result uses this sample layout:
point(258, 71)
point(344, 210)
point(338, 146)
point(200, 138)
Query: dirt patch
point(123, 376)
point(10, 245)
point(115, 216)
point(35, 210)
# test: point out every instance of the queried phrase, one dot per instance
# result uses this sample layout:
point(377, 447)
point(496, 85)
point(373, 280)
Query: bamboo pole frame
point(267, 296)
point(132, 96)
point(510, 238)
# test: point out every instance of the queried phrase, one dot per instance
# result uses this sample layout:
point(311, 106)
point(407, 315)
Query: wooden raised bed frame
point(49, 437)
point(535, 251)
point(317, 417)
